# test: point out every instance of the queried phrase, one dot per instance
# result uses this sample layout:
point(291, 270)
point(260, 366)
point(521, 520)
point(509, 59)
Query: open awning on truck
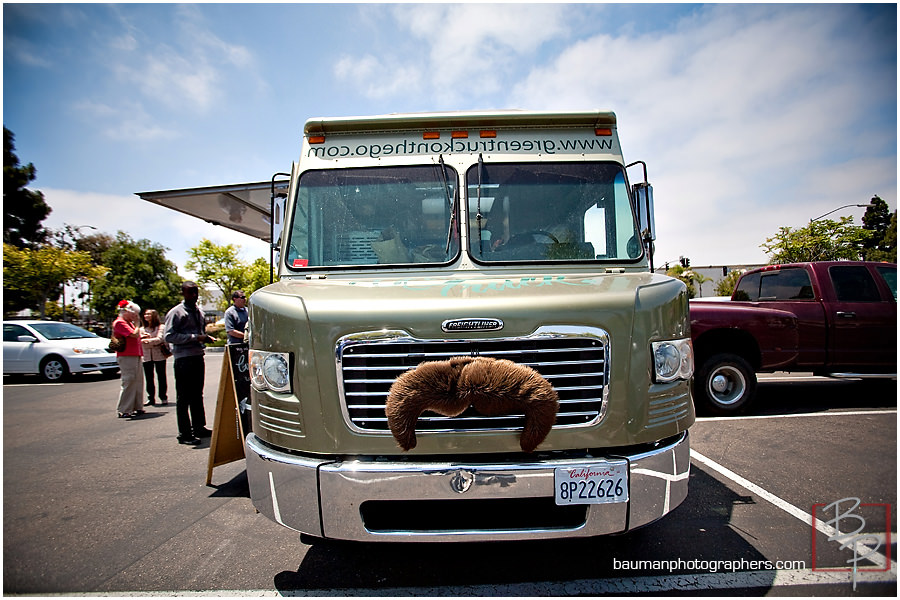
point(244, 207)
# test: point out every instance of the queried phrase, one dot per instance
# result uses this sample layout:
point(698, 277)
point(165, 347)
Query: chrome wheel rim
point(726, 385)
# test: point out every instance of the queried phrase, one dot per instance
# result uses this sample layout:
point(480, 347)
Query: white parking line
point(847, 413)
point(802, 378)
point(878, 558)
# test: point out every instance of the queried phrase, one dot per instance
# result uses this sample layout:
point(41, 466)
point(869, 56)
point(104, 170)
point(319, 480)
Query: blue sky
point(750, 117)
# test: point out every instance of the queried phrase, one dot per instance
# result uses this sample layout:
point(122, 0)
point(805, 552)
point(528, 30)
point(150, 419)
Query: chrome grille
point(575, 360)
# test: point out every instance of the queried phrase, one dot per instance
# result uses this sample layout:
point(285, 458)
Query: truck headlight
point(270, 370)
point(673, 359)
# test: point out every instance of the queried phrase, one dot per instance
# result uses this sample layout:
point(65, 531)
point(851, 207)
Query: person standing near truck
point(156, 352)
point(129, 358)
point(236, 318)
point(186, 334)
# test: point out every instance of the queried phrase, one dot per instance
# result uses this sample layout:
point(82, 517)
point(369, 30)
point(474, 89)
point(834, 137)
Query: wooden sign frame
point(227, 441)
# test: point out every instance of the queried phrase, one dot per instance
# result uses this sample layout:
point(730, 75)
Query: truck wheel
point(725, 384)
point(54, 368)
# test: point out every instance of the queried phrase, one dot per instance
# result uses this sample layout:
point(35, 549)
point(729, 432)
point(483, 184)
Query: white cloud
point(177, 81)
point(125, 42)
point(376, 78)
point(25, 52)
point(750, 118)
point(469, 29)
point(125, 122)
point(157, 80)
point(470, 53)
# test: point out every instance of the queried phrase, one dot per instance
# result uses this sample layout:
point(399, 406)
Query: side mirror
point(27, 338)
point(276, 222)
point(642, 196)
point(643, 200)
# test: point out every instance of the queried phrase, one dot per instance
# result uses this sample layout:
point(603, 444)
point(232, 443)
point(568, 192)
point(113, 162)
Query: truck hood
point(313, 318)
point(419, 305)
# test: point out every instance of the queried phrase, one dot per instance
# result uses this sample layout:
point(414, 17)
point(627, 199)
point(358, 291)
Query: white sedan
point(53, 349)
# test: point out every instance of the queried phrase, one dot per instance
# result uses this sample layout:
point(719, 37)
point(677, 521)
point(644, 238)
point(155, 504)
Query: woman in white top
point(156, 351)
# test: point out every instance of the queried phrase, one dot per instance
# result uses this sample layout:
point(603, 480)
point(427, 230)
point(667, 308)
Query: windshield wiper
point(444, 179)
point(452, 202)
point(478, 215)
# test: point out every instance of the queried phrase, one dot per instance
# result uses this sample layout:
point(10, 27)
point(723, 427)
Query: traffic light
point(685, 262)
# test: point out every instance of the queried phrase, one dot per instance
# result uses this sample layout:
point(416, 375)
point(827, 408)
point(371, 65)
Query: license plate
point(604, 483)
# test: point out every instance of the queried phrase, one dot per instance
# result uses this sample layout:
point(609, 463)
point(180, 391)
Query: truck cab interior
point(513, 212)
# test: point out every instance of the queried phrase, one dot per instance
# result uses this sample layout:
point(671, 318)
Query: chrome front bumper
point(325, 498)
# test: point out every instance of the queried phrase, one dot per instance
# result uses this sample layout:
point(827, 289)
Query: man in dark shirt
point(186, 334)
point(236, 318)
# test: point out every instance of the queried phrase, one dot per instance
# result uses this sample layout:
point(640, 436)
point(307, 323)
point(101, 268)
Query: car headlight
point(89, 351)
point(673, 359)
point(270, 370)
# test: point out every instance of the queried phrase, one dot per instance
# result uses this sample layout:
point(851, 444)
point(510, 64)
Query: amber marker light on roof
point(457, 135)
point(431, 135)
point(487, 133)
point(317, 139)
point(603, 132)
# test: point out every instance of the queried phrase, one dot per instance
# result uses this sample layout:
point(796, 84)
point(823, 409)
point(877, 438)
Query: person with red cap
point(127, 327)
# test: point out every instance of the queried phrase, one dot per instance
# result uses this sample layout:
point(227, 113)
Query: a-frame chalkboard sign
point(232, 422)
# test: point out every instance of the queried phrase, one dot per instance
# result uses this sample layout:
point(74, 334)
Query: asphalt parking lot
point(98, 505)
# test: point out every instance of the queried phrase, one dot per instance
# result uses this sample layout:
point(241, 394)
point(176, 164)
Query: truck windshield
point(550, 212)
point(374, 216)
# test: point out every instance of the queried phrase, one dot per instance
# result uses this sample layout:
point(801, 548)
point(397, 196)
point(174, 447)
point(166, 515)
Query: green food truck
point(410, 239)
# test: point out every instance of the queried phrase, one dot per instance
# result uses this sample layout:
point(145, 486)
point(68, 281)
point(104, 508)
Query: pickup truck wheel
point(725, 384)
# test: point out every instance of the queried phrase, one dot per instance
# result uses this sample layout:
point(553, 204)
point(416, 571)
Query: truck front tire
point(724, 385)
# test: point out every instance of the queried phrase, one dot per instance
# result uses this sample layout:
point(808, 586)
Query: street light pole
point(837, 209)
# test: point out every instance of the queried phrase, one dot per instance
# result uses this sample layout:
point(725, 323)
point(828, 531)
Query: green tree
point(890, 240)
point(23, 209)
point(882, 245)
point(222, 266)
point(95, 244)
point(700, 279)
point(137, 271)
point(725, 287)
point(69, 238)
point(34, 276)
point(687, 276)
point(258, 275)
point(820, 240)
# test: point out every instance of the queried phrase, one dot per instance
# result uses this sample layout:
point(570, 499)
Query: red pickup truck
point(828, 318)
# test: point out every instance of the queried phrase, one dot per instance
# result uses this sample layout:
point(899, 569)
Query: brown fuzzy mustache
point(491, 386)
